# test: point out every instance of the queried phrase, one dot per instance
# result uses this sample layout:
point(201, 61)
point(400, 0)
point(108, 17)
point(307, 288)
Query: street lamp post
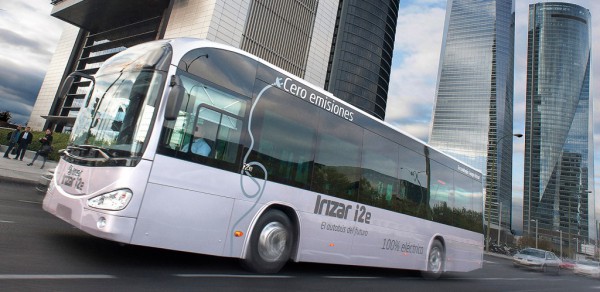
point(560, 232)
point(499, 222)
point(596, 247)
point(488, 194)
point(536, 232)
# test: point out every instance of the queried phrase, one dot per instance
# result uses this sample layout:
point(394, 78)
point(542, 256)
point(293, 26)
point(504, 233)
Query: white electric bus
point(291, 172)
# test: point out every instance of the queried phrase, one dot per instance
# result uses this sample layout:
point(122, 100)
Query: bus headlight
point(114, 201)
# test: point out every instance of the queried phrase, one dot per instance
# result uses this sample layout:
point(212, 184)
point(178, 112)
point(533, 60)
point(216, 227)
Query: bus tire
point(270, 244)
point(436, 260)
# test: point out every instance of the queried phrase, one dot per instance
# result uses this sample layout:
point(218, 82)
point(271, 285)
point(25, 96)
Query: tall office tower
point(473, 110)
point(361, 55)
point(559, 143)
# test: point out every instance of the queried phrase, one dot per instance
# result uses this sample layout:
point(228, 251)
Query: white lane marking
point(263, 276)
point(30, 202)
point(229, 276)
point(3, 221)
point(506, 279)
point(350, 277)
point(54, 277)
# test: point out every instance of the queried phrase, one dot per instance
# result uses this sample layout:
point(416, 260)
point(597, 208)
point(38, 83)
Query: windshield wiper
point(89, 148)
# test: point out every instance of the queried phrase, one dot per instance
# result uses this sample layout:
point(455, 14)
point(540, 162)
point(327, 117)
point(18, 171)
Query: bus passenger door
point(189, 199)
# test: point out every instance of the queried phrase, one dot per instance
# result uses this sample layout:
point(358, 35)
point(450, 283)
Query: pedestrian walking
point(44, 149)
point(12, 140)
point(23, 142)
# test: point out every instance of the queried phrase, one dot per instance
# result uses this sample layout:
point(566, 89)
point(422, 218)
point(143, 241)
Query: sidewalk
point(498, 255)
point(17, 171)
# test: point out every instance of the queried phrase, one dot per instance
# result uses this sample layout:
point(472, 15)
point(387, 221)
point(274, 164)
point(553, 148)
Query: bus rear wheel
point(270, 244)
point(435, 261)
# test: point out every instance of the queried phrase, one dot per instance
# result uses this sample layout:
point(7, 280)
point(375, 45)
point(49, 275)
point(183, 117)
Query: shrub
point(59, 141)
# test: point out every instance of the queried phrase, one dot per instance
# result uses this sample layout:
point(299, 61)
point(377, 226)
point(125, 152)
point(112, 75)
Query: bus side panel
point(463, 251)
point(400, 241)
point(392, 240)
point(183, 220)
point(193, 176)
point(325, 239)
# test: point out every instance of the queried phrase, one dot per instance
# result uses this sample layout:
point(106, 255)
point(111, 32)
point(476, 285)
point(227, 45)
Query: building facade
point(558, 172)
point(361, 55)
point(295, 35)
point(473, 110)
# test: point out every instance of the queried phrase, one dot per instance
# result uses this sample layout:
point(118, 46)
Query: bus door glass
point(209, 127)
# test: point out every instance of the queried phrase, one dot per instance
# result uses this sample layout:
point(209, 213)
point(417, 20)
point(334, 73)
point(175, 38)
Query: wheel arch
point(442, 241)
point(290, 212)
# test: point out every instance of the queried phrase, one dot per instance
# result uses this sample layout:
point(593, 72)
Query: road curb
point(498, 255)
point(18, 180)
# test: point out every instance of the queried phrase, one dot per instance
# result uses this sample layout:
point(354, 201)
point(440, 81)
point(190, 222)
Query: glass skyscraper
point(361, 53)
point(558, 147)
point(473, 110)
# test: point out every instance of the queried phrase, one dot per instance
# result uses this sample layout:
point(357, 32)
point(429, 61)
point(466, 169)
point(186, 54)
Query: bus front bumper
point(74, 210)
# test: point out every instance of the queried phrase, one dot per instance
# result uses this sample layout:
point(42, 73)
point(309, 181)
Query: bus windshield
point(120, 110)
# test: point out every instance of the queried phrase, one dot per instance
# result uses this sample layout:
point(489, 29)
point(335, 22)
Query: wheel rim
point(435, 260)
point(272, 242)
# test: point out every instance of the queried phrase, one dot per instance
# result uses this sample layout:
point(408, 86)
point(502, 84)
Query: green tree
point(5, 116)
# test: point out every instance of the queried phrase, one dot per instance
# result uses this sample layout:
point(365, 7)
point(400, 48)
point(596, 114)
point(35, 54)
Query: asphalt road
point(39, 252)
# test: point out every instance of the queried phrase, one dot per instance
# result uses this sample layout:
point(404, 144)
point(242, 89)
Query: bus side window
point(467, 212)
point(202, 140)
point(337, 160)
point(284, 137)
point(216, 136)
point(225, 135)
point(210, 114)
point(412, 193)
point(441, 199)
point(379, 178)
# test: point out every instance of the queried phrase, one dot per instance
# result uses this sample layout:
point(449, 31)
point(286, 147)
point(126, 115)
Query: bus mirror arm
point(68, 83)
point(174, 99)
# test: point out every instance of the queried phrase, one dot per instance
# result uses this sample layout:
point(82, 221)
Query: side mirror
point(174, 99)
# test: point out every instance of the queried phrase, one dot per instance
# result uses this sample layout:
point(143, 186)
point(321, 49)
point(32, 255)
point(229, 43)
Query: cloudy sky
point(29, 34)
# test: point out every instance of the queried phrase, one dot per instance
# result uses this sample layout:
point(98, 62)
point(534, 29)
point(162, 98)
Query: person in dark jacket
point(12, 141)
point(44, 149)
point(24, 141)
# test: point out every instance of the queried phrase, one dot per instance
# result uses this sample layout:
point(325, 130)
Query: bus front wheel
point(270, 244)
point(435, 261)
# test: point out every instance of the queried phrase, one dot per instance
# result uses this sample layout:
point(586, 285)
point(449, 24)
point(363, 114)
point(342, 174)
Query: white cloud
point(32, 32)
point(413, 79)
